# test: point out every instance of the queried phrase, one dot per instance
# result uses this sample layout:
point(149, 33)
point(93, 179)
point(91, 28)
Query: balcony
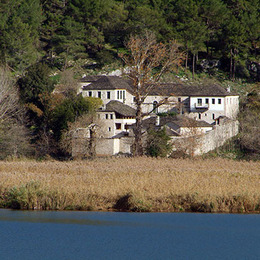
point(201, 106)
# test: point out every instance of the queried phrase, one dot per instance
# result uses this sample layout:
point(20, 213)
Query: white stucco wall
point(168, 105)
point(109, 124)
point(211, 106)
point(125, 97)
point(231, 106)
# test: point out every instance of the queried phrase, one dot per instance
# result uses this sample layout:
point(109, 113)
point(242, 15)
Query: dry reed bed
point(134, 184)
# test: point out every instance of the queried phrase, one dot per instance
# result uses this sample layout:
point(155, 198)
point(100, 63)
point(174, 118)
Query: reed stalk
point(132, 184)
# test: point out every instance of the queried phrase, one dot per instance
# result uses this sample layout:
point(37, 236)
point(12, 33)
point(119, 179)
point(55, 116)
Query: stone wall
point(197, 145)
point(104, 146)
point(192, 145)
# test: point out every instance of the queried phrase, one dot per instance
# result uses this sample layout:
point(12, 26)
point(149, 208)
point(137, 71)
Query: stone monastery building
point(209, 109)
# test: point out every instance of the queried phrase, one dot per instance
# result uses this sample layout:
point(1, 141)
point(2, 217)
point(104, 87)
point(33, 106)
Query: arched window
point(155, 107)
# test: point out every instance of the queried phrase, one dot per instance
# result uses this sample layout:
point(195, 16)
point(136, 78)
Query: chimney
point(228, 89)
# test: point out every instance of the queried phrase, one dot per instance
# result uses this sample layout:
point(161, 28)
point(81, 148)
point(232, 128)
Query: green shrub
point(27, 196)
point(157, 143)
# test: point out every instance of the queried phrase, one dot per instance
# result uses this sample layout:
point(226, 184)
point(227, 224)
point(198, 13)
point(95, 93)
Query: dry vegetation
point(132, 184)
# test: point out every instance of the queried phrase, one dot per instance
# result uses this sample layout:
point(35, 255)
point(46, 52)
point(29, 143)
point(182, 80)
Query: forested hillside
point(225, 32)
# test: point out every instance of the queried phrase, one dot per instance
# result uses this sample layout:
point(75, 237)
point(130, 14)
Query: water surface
point(107, 235)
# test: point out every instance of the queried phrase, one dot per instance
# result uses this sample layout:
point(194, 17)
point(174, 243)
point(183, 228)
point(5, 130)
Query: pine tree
point(53, 15)
point(19, 39)
point(191, 30)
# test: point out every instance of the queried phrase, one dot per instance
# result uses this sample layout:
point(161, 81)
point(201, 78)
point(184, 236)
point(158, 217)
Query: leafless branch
point(9, 97)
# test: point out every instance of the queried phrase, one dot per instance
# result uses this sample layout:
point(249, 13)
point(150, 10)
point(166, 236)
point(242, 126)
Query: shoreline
point(132, 185)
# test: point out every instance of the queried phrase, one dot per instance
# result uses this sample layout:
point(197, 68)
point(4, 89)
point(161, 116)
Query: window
point(213, 116)
point(99, 94)
point(109, 129)
point(90, 93)
point(121, 94)
point(106, 116)
point(219, 101)
point(205, 114)
point(179, 99)
point(206, 100)
point(199, 116)
point(111, 116)
point(155, 107)
point(118, 126)
point(200, 101)
point(213, 100)
point(108, 95)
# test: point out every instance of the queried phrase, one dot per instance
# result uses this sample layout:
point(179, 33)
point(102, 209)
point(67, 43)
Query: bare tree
point(147, 62)
point(68, 83)
point(82, 135)
point(9, 97)
point(14, 136)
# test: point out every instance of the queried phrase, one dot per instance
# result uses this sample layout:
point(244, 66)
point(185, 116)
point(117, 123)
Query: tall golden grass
point(132, 184)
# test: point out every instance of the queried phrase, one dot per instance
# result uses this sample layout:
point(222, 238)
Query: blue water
point(96, 235)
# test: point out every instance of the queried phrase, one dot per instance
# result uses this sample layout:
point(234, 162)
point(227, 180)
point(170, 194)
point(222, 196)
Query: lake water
point(107, 235)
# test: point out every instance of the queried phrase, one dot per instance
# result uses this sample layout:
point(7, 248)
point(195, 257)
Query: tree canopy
point(62, 31)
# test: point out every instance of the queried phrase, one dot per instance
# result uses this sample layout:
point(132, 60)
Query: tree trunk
point(193, 65)
point(231, 65)
point(234, 67)
point(234, 70)
point(92, 143)
point(138, 145)
point(186, 61)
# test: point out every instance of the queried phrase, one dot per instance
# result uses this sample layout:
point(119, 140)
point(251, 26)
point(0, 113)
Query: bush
point(27, 196)
point(157, 143)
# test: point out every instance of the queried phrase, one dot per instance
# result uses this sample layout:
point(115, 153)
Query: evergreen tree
point(53, 15)
point(213, 13)
point(35, 84)
point(19, 39)
point(158, 143)
point(115, 27)
point(147, 16)
point(191, 30)
point(233, 42)
point(69, 110)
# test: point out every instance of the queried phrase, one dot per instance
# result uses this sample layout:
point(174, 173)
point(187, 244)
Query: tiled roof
point(161, 89)
point(183, 121)
point(109, 83)
point(91, 78)
point(175, 122)
point(173, 89)
point(120, 108)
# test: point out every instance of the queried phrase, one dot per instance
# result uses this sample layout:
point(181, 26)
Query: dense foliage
point(65, 31)
point(158, 143)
